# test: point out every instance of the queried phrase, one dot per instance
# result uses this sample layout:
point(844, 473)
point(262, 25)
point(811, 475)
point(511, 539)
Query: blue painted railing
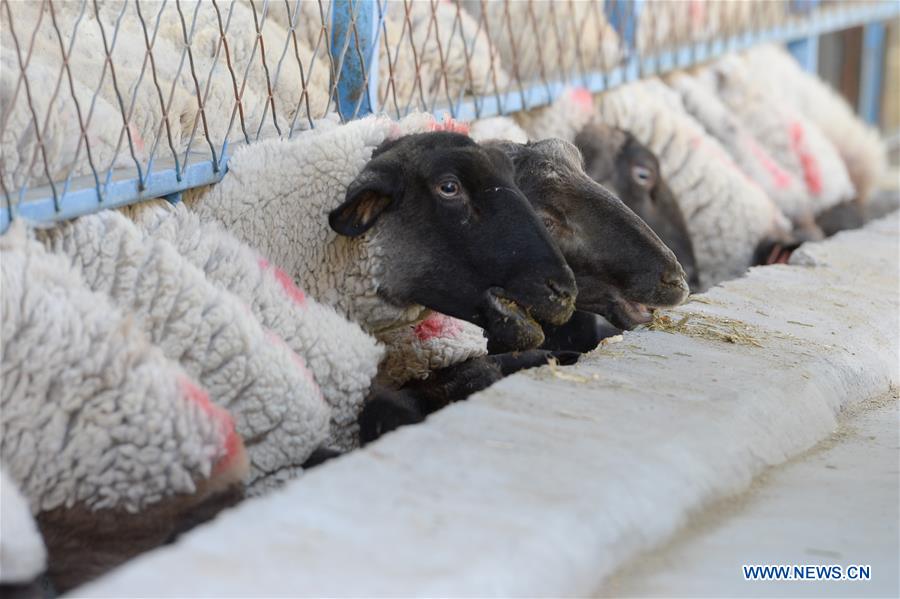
point(355, 33)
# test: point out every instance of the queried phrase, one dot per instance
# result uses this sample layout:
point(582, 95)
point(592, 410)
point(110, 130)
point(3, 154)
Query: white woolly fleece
point(274, 399)
point(859, 145)
point(277, 197)
point(149, 126)
point(782, 186)
point(564, 119)
point(342, 358)
point(22, 161)
point(497, 127)
point(535, 39)
point(449, 59)
point(105, 128)
point(22, 552)
point(792, 139)
point(93, 414)
point(727, 214)
point(436, 342)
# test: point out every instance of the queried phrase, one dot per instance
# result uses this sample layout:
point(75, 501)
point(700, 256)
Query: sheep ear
point(367, 197)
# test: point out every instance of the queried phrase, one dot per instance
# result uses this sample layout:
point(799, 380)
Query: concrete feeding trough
point(548, 482)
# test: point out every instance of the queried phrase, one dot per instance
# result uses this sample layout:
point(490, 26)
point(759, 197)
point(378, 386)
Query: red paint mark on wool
point(233, 446)
point(437, 325)
point(136, 138)
point(452, 125)
point(294, 292)
point(697, 12)
point(582, 98)
point(812, 174)
point(780, 178)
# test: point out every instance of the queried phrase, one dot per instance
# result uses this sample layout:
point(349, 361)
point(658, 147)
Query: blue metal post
point(805, 50)
point(624, 16)
point(355, 98)
point(872, 71)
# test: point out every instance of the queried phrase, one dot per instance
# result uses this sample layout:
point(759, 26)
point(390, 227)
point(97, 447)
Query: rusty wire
point(519, 38)
point(30, 100)
point(149, 43)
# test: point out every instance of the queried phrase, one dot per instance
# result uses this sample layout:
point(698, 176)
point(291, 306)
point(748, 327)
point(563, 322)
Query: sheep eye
point(643, 176)
point(449, 188)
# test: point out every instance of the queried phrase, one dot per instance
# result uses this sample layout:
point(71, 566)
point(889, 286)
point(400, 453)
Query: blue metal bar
point(805, 50)
point(358, 79)
point(163, 183)
point(872, 72)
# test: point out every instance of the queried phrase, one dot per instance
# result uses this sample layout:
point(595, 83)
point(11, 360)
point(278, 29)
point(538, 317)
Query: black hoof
point(385, 412)
point(322, 454)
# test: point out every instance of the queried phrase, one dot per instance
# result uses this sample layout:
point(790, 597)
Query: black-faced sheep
point(425, 222)
point(112, 444)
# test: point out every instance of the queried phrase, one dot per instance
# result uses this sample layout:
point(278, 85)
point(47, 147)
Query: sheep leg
point(582, 333)
point(386, 409)
point(322, 454)
point(41, 588)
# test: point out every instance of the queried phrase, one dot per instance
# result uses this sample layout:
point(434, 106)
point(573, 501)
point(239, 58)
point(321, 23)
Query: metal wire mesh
point(106, 102)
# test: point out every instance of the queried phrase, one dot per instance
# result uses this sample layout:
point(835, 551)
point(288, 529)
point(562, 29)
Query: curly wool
point(93, 414)
point(497, 127)
point(563, 119)
point(111, 142)
point(727, 214)
point(22, 552)
point(782, 186)
point(440, 52)
point(436, 342)
point(860, 146)
point(277, 198)
point(276, 404)
point(534, 39)
point(794, 141)
point(342, 358)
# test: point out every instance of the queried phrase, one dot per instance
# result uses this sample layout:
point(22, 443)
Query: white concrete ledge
point(545, 483)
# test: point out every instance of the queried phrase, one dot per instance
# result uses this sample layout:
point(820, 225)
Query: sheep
point(113, 446)
point(29, 158)
point(389, 277)
point(786, 189)
point(278, 407)
point(793, 140)
point(343, 359)
point(859, 145)
point(619, 162)
point(728, 217)
point(23, 555)
point(452, 49)
point(563, 119)
point(620, 265)
point(516, 27)
point(83, 30)
point(276, 85)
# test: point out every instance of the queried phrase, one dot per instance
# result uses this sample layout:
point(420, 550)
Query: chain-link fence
point(107, 102)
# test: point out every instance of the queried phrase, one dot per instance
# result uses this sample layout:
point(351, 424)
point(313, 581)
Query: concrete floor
point(839, 503)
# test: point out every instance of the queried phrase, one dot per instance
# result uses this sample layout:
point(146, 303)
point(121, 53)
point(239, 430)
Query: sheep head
point(457, 236)
point(618, 161)
point(620, 264)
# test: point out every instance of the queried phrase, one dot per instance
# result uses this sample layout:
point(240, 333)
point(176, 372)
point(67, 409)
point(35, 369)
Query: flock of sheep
point(162, 362)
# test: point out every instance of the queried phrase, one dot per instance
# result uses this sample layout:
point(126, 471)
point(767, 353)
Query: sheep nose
point(564, 292)
point(674, 277)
